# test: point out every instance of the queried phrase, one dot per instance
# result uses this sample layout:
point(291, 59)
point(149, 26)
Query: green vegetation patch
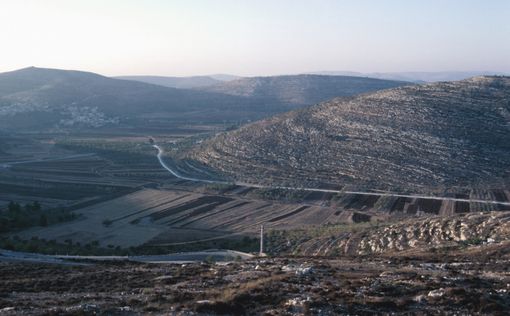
point(280, 194)
point(16, 216)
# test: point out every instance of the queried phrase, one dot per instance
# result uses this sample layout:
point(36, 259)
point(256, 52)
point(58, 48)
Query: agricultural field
point(114, 193)
point(158, 216)
point(61, 170)
point(181, 214)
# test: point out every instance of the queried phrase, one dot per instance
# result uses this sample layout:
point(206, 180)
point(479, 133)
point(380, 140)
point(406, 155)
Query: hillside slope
point(175, 82)
point(38, 98)
point(466, 233)
point(34, 98)
point(422, 137)
point(300, 89)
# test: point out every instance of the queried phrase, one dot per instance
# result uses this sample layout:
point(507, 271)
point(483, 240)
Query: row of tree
point(17, 216)
point(14, 207)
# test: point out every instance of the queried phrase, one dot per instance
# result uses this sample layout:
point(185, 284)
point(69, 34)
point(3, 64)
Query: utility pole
point(261, 240)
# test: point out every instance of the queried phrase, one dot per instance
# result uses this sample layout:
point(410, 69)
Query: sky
point(256, 37)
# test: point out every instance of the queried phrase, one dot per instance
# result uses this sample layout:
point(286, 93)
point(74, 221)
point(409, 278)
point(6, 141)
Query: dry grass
point(229, 294)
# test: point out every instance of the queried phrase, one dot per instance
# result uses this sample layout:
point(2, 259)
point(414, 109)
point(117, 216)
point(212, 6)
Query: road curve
point(260, 186)
point(176, 174)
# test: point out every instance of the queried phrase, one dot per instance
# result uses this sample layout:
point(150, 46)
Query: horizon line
point(317, 72)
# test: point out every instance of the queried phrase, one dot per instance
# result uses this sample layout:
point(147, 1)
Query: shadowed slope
point(46, 98)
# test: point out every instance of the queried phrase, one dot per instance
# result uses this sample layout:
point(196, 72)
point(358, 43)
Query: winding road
point(177, 174)
point(260, 186)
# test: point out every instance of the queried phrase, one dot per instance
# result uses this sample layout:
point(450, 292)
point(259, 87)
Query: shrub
point(107, 222)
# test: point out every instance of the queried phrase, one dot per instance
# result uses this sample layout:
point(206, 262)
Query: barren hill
point(300, 89)
point(175, 82)
point(421, 137)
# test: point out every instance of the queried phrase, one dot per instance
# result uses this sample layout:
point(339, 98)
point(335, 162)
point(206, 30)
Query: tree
point(43, 220)
point(36, 206)
point(14, 207)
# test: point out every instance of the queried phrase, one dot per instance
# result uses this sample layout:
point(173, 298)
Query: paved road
point(216, 254)
point(260, 186)
point(177, 174)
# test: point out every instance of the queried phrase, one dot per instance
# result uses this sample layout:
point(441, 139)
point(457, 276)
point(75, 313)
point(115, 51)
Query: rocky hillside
point(414, 235)
point(419, 138)
point(300, 89)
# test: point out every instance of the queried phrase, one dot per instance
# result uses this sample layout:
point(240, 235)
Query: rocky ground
point(272, 286)
point(451, 265)
point(472, 232)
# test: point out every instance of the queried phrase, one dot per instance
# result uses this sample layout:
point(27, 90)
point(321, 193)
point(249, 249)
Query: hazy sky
point(255, 37)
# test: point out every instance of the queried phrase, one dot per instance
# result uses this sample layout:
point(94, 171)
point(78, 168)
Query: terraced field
point(172, 216)
point(85, 169)
point(66, 182)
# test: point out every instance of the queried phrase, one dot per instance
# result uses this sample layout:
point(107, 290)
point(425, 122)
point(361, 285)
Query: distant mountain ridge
point(300, 89)
point(419, 137)
point(416, 76)
point(224, 77)
point(175, 82)
point(39, 98)
point(43, 98)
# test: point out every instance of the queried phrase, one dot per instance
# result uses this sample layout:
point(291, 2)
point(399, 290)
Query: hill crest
point(424, 137)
